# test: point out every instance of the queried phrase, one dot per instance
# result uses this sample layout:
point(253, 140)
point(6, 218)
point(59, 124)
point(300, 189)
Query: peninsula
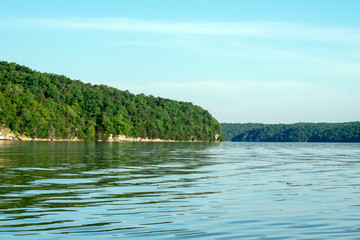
point(45, 106)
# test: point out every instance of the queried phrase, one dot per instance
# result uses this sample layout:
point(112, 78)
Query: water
point(97, 191)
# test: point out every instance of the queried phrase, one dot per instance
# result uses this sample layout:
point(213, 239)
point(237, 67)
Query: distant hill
point(44, 105)
point(298, 132)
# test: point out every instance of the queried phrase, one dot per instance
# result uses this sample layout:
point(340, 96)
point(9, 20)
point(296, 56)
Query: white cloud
point(282, 30)
point(216, 87)
point(134, 25)
point(254, 101)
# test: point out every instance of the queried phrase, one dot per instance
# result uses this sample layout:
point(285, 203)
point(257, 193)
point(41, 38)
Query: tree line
point(44, 105)
point(298, 132)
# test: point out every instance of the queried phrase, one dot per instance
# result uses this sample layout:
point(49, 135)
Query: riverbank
point(7, 135)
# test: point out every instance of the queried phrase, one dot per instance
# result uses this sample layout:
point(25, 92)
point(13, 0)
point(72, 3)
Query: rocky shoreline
point(8, 135)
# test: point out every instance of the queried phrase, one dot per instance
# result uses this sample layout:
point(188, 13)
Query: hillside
point(299, 132)
point(43, 105)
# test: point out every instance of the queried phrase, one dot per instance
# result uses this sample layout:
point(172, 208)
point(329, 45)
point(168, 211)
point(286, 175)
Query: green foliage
point(299, 132)
point(44, 105)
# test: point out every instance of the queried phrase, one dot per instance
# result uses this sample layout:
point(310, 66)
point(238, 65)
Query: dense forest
point(298, 132)
point(44, 105)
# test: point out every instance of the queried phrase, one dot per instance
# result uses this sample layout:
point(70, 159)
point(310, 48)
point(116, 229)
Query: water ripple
point(179, 190)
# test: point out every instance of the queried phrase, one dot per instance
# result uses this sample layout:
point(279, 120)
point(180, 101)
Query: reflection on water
point(185, 190)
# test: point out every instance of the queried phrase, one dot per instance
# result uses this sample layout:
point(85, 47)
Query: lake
point(97, 190)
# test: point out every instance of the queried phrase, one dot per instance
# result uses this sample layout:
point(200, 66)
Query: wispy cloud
point(220, 89)
point(249, 100)
point(134, 25)
point(324, 51)
point(287, 30)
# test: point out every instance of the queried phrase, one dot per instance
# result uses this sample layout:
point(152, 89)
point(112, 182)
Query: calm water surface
point(179, 190)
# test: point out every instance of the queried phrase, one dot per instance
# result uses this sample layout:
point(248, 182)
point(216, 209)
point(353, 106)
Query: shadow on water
point(38, 178)
point(95, 154)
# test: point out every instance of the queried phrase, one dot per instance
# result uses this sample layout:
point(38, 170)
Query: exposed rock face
point(6, 134)
point(217, 136)
point(123, 138)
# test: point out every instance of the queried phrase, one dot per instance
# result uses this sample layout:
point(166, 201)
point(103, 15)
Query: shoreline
point(80, 140)
point(7, 135)
point(122, 138)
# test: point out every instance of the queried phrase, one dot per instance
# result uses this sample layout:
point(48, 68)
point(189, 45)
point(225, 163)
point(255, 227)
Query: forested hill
point(299, 132)
point(43, 105)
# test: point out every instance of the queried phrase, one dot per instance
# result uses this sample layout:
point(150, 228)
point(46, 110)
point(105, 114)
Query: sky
point(263, 61)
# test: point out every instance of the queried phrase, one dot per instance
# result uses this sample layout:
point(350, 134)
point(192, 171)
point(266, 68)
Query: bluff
point(49, 106)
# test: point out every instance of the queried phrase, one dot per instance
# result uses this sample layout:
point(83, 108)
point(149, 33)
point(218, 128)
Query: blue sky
point(269, 61)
